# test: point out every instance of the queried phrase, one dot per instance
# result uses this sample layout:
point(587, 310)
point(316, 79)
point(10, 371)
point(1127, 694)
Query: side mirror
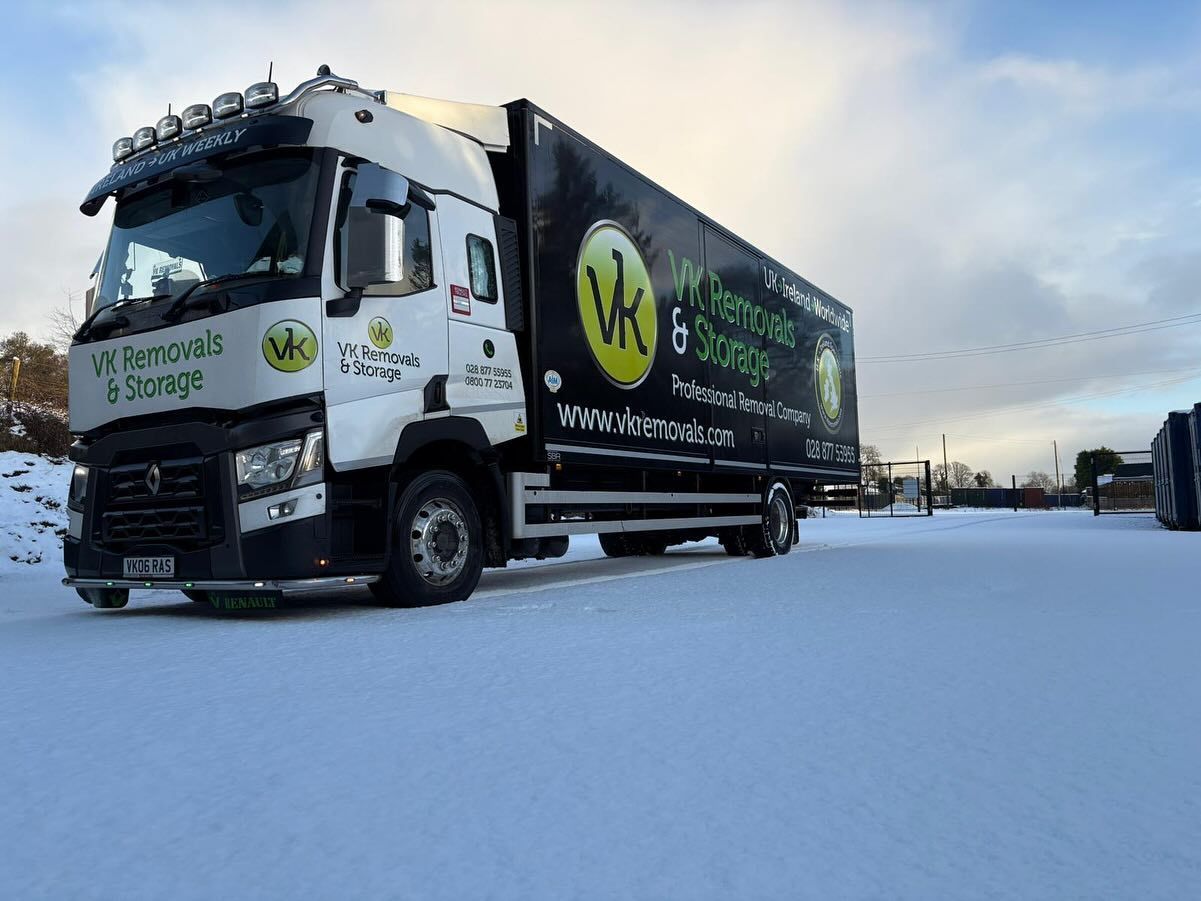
point(374, 229)
point(377, 188)
point(374, 248)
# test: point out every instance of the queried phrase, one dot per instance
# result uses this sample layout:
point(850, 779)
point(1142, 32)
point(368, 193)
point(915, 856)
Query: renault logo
point(154, 478)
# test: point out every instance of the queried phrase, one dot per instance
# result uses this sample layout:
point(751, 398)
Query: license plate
point(149, 567)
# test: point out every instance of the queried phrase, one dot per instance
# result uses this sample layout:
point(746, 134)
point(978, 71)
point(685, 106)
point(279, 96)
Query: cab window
point(481, 265)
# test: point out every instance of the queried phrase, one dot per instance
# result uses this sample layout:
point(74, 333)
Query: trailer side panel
point(660, 338)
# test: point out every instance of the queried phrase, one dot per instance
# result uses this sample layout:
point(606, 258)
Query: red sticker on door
point(460, 300)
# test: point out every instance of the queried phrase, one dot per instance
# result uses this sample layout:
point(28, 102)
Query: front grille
point(169, 525)
point(184, 513)
point(179, 480)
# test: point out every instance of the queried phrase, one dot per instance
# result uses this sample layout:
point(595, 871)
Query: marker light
point(122, 148)
point(227, 105)
point(262, 93)
point(143, 138)
point(197, 115)
point(168, 127)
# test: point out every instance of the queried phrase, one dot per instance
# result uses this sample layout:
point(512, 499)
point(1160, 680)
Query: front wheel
point(437, 553)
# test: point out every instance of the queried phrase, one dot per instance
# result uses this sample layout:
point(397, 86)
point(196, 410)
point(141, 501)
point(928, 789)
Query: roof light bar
point(168, 127)
point(227, 105)
point(122, 148)
point(197, 115)
point(261, 94)
point(143, 138)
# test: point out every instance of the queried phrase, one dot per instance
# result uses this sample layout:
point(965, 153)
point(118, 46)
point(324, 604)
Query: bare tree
point(961, 475)
point(64, 322)
point(1037, 479)
point(870, 463)
point(983, 479)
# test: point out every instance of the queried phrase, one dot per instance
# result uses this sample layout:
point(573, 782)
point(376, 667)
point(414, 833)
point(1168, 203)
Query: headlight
point(78, 491)
point(281, 464)
point(269, 464)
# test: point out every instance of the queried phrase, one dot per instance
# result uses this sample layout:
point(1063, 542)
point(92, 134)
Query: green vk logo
point(379, 330)
point(290, 346)
point(828, 375)
point(616, 304)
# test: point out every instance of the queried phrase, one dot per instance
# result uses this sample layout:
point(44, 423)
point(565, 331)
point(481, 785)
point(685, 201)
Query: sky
point(962, 174)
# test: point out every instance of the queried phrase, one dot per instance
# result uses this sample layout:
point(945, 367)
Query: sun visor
point(487, 125)
point(240, 134)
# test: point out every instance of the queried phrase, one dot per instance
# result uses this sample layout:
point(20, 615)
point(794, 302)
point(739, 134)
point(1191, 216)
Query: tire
point(773, 537)
point(437, 553)
point(652, 545)
point(105, 598)
point(735, 542)
point(625, 544)
point(616, 544)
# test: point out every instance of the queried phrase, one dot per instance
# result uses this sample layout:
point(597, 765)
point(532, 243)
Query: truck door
point(384, 347)
point(485, 379)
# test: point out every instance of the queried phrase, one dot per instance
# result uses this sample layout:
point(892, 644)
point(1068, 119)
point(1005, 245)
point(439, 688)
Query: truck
point(350, 337)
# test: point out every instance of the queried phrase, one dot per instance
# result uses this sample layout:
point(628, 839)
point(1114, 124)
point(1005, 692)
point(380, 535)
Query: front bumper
point(282, 586)
point(216, 538)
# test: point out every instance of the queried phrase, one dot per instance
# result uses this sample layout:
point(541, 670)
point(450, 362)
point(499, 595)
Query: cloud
point(952, 201)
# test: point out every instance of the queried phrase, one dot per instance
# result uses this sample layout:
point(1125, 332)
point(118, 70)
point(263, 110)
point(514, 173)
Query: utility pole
point(1058, 480)
point(1015, 493)
point(946, 473)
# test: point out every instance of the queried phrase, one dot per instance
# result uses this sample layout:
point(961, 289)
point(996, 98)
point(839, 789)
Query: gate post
point(1092, 459)
point(891, 488)
point(929, 492)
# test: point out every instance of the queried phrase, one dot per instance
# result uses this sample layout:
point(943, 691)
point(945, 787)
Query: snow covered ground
point(973, 705)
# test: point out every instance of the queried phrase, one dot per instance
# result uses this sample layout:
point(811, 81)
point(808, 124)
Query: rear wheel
point(773, 536)
point(735, 542)
point(437, 552)
point(616, 544)
point(652, 545)
point(626, 544)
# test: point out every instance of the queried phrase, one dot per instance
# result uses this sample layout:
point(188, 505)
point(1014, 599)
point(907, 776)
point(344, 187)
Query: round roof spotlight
point(364, 116)
point(261, 94)
point(168, 127)
point(143, 138)
point(227, 105)
point(122, 148)
point(197, 115)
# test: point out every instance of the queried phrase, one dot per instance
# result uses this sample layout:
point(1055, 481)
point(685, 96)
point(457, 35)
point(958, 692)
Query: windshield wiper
point(177, 309)
point(85, 328)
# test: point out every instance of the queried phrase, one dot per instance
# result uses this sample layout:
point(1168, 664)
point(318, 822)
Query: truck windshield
point(247, 215)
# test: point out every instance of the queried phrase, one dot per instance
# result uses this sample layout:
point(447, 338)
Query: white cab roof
point(427, 152)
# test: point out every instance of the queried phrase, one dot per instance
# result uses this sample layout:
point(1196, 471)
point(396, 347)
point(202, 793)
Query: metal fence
point(1124, 483)
point(896, 489)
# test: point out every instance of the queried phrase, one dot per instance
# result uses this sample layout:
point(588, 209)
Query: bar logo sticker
point(616, 304)
point(290, 346)
point(828, 381)
point(379, 330)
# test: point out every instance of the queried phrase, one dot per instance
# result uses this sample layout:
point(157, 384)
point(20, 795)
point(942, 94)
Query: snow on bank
point(33, 511)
